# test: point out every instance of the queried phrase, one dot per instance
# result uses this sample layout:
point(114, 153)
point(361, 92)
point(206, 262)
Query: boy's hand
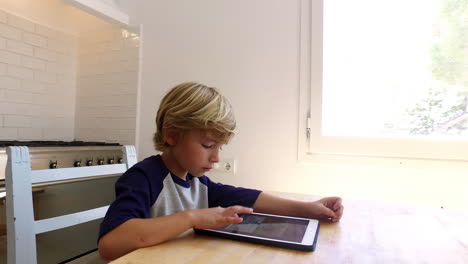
point(217, 217)
point(329, 208)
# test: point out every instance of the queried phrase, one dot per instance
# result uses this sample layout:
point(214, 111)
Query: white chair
point(22, 228)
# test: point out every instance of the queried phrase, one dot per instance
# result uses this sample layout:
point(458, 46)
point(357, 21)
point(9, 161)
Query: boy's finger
point(238, 210)
point(339, 213)
point(328, 212)
point(337, 204)
point(234, 220)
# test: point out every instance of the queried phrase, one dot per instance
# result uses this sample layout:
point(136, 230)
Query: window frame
point(313, 145)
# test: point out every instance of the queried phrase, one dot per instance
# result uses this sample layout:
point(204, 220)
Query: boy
point(165, 195)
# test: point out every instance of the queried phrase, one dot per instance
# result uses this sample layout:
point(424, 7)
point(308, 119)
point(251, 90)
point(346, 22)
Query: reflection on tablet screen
point(269, 227)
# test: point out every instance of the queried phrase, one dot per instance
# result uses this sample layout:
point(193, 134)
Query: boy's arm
point(329, 208)
point(137, 233)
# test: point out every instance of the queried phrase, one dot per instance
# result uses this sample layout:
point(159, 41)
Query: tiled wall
point(37, 81)
point(56, 86)
point(107, 86)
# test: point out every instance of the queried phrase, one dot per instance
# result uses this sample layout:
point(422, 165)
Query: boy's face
point(195, 152)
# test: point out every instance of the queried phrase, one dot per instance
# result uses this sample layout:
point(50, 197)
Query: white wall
point(45, 73)
point(37, 81)
point(250, 50)
point(107, 86)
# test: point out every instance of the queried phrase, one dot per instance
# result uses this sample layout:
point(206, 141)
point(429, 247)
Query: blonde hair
point(192, 105)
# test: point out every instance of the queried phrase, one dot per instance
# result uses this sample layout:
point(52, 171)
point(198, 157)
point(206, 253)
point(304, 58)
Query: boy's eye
point(211, 146)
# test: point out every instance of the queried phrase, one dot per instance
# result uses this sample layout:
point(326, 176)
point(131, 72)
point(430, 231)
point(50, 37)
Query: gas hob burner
point(54, 143)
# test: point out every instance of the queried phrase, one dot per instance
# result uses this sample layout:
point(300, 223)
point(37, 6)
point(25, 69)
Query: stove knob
point(53, 164)
point(120, 160)
point(89, 163)
point(100, 161)
point(77, 163)
point(111, 161)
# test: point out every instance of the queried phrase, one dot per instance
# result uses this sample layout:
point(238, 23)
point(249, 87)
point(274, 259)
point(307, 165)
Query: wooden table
point(369, 232)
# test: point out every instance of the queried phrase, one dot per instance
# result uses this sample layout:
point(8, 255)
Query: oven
point(64, 197)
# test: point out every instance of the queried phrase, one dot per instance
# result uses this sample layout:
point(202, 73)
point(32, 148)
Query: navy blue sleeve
point(134, 197)
point(227, 195)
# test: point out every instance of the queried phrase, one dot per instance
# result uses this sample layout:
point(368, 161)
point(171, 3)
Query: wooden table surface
point(369, 232)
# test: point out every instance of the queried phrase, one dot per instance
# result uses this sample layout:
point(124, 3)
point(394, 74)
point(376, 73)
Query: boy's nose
point(214, 157)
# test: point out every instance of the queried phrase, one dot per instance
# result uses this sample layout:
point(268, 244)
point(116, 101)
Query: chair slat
point(19, 207)
point(42, 176)
point(63, 221)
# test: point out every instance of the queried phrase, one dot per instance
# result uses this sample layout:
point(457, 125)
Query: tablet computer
point(273, 230)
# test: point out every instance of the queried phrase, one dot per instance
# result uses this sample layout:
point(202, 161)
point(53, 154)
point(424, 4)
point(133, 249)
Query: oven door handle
point(36, 185)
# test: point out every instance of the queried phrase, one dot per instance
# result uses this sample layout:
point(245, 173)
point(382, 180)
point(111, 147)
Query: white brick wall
point(7, 82)
point(20, 23)
point(19, 47)
point(46, 32)
point(33, 59)
point(16, 96)
point(2, 43)
point(54, 86)
point(19, 72)
point(3, 16)
point(29, 133)
point(9, 32)
point(8, 133)
point(33, 63)
point(45, 54)
point(17, 121)
point(106, 87)
point(9, 57)
point(35, 40)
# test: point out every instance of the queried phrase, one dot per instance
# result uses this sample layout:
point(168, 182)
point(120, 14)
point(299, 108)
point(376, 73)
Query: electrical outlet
point(226, 166)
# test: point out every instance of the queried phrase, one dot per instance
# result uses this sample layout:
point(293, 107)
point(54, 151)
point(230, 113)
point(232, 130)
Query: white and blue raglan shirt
point(148, 189)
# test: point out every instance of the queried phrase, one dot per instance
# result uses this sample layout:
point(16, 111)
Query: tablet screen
point(272, 227)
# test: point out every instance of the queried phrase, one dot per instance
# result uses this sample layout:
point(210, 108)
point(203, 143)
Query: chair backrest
point(19, 178)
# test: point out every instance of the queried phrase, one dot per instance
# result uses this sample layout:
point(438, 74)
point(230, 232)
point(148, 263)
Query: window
point(386, 78)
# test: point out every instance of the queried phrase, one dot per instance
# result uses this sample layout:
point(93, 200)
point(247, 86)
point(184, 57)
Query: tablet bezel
point(307, 244)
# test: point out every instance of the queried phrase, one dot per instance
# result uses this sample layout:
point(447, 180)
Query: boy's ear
point(171, 136)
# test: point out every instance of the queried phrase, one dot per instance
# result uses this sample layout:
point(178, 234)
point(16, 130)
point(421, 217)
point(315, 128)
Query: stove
point(62, 198)
point(63, 154)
